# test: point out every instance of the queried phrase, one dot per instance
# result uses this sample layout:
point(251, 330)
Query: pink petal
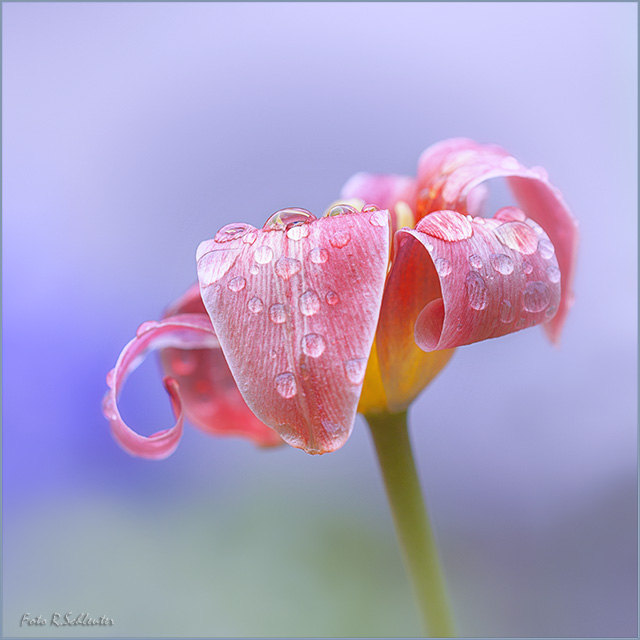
point(208, 391)
point(476, 279)
point(386, 191)
point(295, 307)
point(184, 331)
point(450, 176)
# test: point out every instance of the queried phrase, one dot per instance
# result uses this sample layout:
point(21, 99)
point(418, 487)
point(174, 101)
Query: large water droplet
point(255, 305)
point(253, 270)
point(297, 230)
point(263, 254)
point(287, 267)
point(510, 214)
point(449, 226)
point(249, 238)
point(369, 207)
point(502, 264)
point(215, 264)
point(309, 303)
point(476, 262)
point(536, 296)
point(318, 255)
point(507, 313)
point(340, 209)
point(517, 236)
point(236, 284)
point(379, 219)
point(146, 326)
point(232, 232)
point(355, 370)
point(286, 384)
point(332, 297)
point(284, 217)
point(546, 249)
point(477, 291)
point(340, 239)
point(443, 266)
point(553, 273)
point(277, 313)
point(313, 345)
point(111, 379)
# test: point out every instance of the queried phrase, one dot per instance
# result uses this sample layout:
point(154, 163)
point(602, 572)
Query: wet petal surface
point(496, 282)
point(300, 360)
point(451, 175)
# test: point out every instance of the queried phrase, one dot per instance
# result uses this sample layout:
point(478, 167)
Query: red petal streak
point(296, 315)
point(208, 391)
point(450, 176)
point(185, 331)
point(490, 283)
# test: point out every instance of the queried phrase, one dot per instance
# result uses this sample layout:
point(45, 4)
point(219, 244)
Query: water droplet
point(236, 284)
point(253, 270)
point(309, 303)
point(111, 379)
point(277, 313)
point(443, 266)
point(379, 219)
point(263, 254)
point(297, 230)
point(553, 273)
point(340, 239)
point(249, 238)
point(340, 209)
point(449, 226)
point(304, 372)
point(288, 216)
point(287, 267)
point(476, 262)
point(536, 296)
point(459, 327)
point(255, 305)
point(332, 297)
point(520, 324)
point(318, 255)
point(108, 409)
point(286, 384)
point(477, 291)
point(232, 232)
point(517, 236)
point(369, 207)
point(526, 267)
point(215, 264)
point(510, 214)
point(313, 345)
point(546, 249)
point(502, 264)
point(146, 326)
point(507, 313)
point(272, 353)
point(355, 370)
point(510, 163)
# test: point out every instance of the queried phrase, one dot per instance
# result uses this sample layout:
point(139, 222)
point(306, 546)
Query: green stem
point(391, 439)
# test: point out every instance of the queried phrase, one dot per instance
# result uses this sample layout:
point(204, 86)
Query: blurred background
point(131, 132)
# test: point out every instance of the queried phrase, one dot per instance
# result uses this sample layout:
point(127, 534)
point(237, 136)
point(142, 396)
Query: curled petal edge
point(496, 275)
point(187, 331)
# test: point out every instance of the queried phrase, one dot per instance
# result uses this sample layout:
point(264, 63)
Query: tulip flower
point(299, 325)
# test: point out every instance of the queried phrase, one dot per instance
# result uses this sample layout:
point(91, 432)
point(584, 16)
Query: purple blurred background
point(131, 132)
